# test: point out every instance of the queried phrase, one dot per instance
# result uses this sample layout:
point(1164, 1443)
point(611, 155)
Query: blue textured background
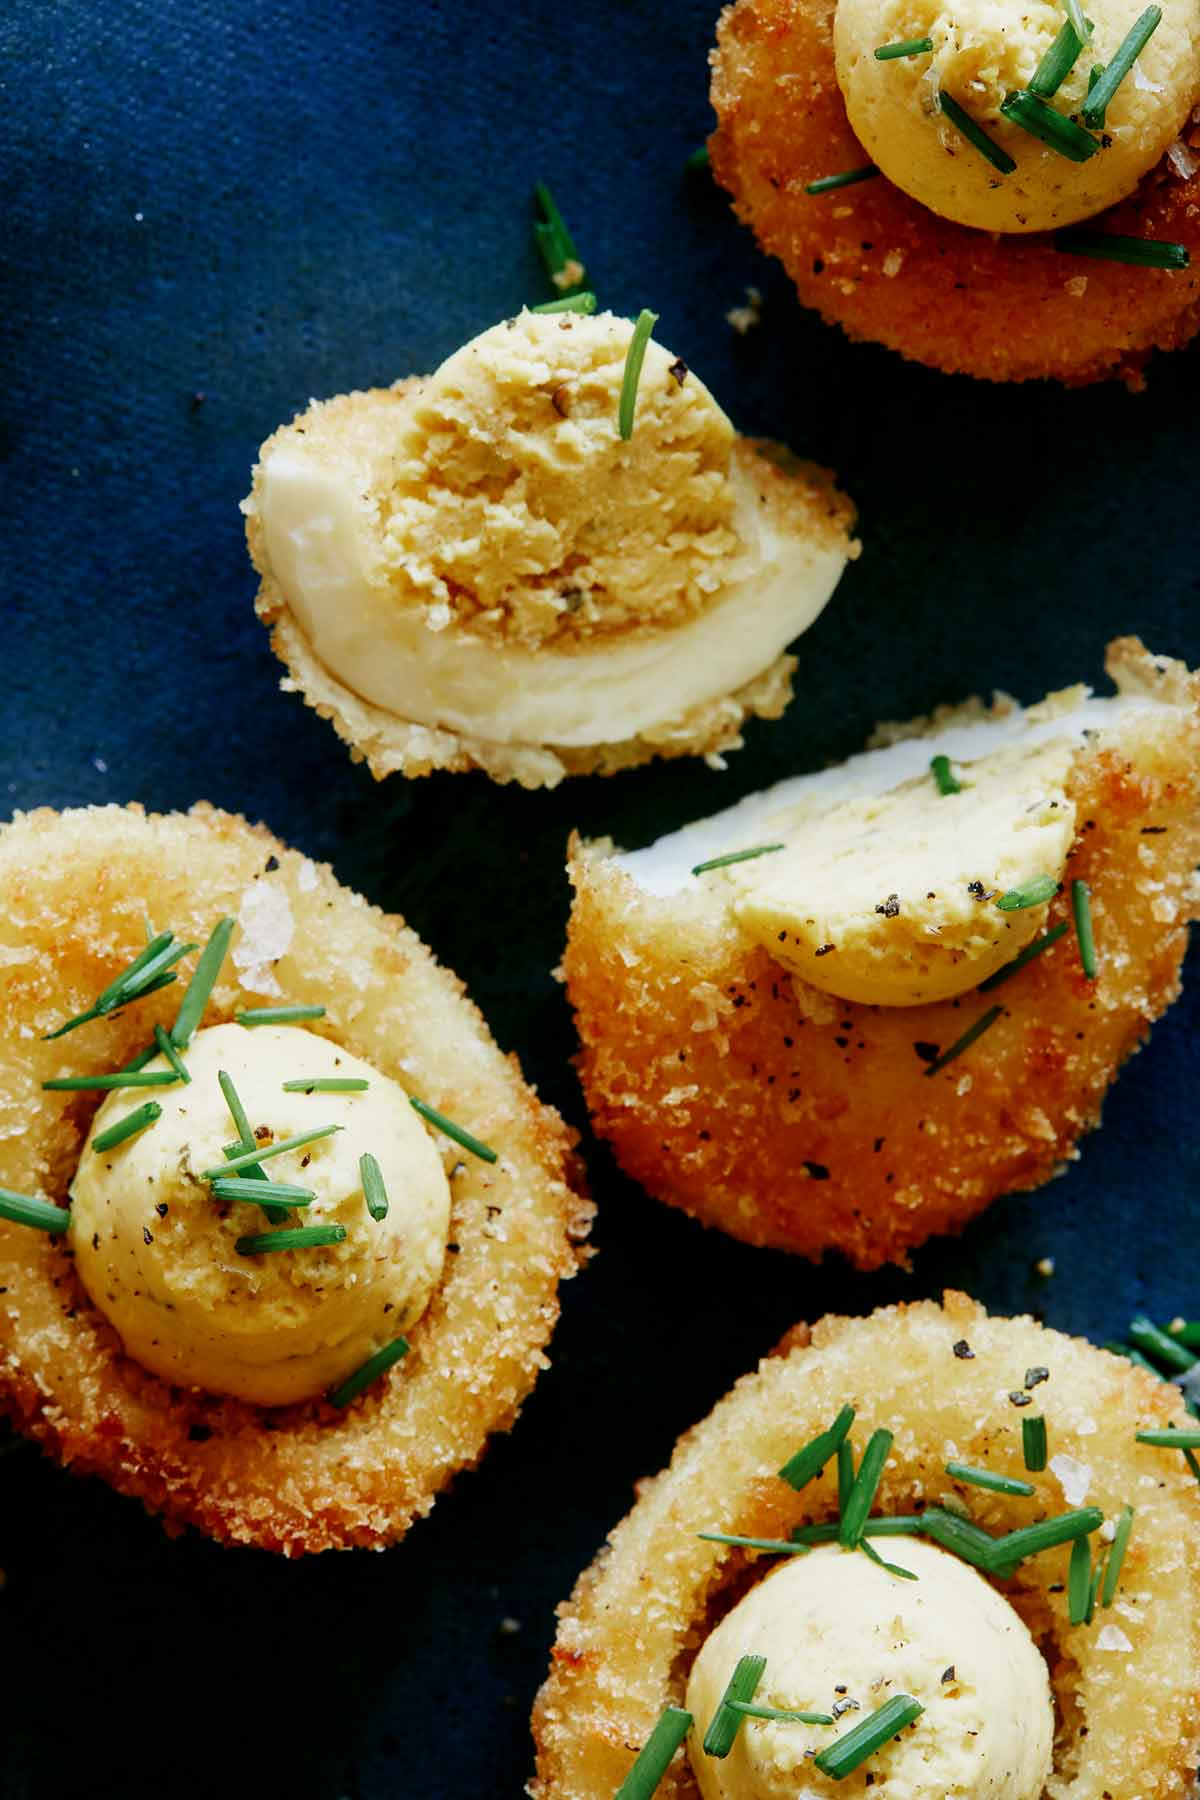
point(259, 203)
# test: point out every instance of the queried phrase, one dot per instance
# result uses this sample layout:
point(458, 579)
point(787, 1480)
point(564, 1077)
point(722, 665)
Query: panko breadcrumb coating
point(74, 891)
point(885, 268)
point(1128, 1716)
point(790, 1118)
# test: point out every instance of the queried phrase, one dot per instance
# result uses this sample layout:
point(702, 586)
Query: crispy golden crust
point(73, 891)
point(803, 499)
point(1128, 1724)
point(885, 268)
point(788, 1118)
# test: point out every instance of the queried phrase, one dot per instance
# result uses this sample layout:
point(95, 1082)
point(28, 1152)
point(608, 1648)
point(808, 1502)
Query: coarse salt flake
point(1111, 1637)
point(1074, 1477)
point(267, 929)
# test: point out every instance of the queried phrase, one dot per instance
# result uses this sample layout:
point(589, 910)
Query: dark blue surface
point(255, 204)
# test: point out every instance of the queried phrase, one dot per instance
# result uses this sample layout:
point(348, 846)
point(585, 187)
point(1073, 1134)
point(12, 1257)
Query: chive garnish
point(556, 244)
point(1048, 125)
point(261, 1152)
point(655, 1756)
point(572, 303)
point(828, 184)
point(370, 1371)
point(1025, 956)
point(301, 1237)
point(864, 1544)
point(944, 775)
point(282, 1194)
point(1094, 75)
point(635, 356)
point(862, 1494)
point(970, 1035)
point(124, 1078)
point(145, 975)
point(726, 1722)
point(1030, 1540)
point(808, 1461)
point(246, 1141)
point(128, 1127)
point(1161, 1345)
point(735, 856)
point(975, 134)
point(1131, 47)
point(962, 1539)
point(1033, 1442)
point(749, 1711)
point(1172, 1439)
point(1057, 63)
point(985, 1478)
point(870, 1734)
point(236, 1109)
point(277, 1015)
point(140, 1060)
point(1110, 246)
point(326, 1084)
point(1116, 1556)
point(1034, 892)
point(25, 1209)
point(374, 1191)
point(1083, 27)
point(201, 985)
point(778, 1546)
point(845, 1474)
point(904, 47)
point(166, 1048)
point(457, 1133)
point(1079, 1581)
point(1081, 907)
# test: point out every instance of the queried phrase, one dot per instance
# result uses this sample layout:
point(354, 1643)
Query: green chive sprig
point(370, 1371)
point(457, 1133)
point(1034, 892)
point(1024, 956)
point(1110, 246)
point(887, 1525)
point(26, 1209)
point(811, 1458)
point(986, 1478)
point(970, 1036)
point(726, 1722)
point(1033, 1442)
point(144, 975)
point(1064, 1528)
point(123, 1078)
point(1171, 1439)
point(735, 856)
point(569, 303)
point(975, 134)
point(776, 1546)
point(302, 1237)
point(555, 243)
point(374, 1191)
point(277, 1015)
point(326, 1084)
point(1058, 62)
point(829, 184)
point(943, 774)
point(868, 1549)
point(1161, 1346)
point(852, 1749)
point(133, 1122)
point(845, 1474)
point(261, 1152)
point(963, 1539)
point(280, 1194)
point(748, 1710)
point(904, 47)
point(1081, 907)
point(656, 1754)
point(1116, 1556)
point(866, 1483)
point(204, 980)
point(635, 356)
point(166, 1048)
point(1083, 27)
point(1079, 1582)
point(1044, 122)
point(1131, 47)
point(246, 1141)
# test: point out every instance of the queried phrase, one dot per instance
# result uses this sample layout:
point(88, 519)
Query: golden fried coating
point(74, 890)
point(887, 269)
point(1128, 1717)
point(790, 1118)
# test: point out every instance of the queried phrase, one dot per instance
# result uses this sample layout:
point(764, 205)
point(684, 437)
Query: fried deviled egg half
point(480, 570)
point(848, 1012)
point(281, 1230)
point(980, 1582)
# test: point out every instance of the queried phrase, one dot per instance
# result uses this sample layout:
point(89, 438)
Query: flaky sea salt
point(1074, 1477)
point(306, 880)
point(267, 929)
point(1111, 1637)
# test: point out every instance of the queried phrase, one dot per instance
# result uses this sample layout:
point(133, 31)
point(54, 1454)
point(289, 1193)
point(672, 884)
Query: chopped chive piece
point(166, 1048)
point(374, 1191)
point(905, 47)
point(1116, 1556)
point(726, 1723)
point(845, 1474)
point(808, 1461)
point(699, 158)
point(828, 184)
point(1033, 1442)
point(1029, 1540)
point(24, 1209)
point(572, 303)
point(1110, 246)
point(1057, 63)
point(963, 1539)
point(1025, 956)
point(1094, 1587)
point(1131, 47)
point(1094, 75)
point(1160, 1346)
point(748, 1710)
point(970, 1035)
point(129, 1126)
point(870, 1734)
point(277, 1015)
point(457, 1133)
point(370, 1371)
point(152, 987)
point(246, 1141)
point(735, 856)
point(326, 1084)
point(1049, 126)
point(1083, 27)
point(140, 1060)
point(862, 1494)
point(635, 356)
point(944, 775)
point(282, 1194)
point(1034, 892)
point(780, 1546)
point(261, 1152)
point(81, 1084)
point(1079, 1581)
point(975, 134)
point(868, 1549)
point(302, 1237)
point(276, 1215)
point(655, 1756)
point(108, 996)
point(204, 980)
point(236, 1110)
point(1081, 906)
point(887, 1525)
point(1172, 1439)
point(142, 976)
point(556, 244)
point(984, 1478)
